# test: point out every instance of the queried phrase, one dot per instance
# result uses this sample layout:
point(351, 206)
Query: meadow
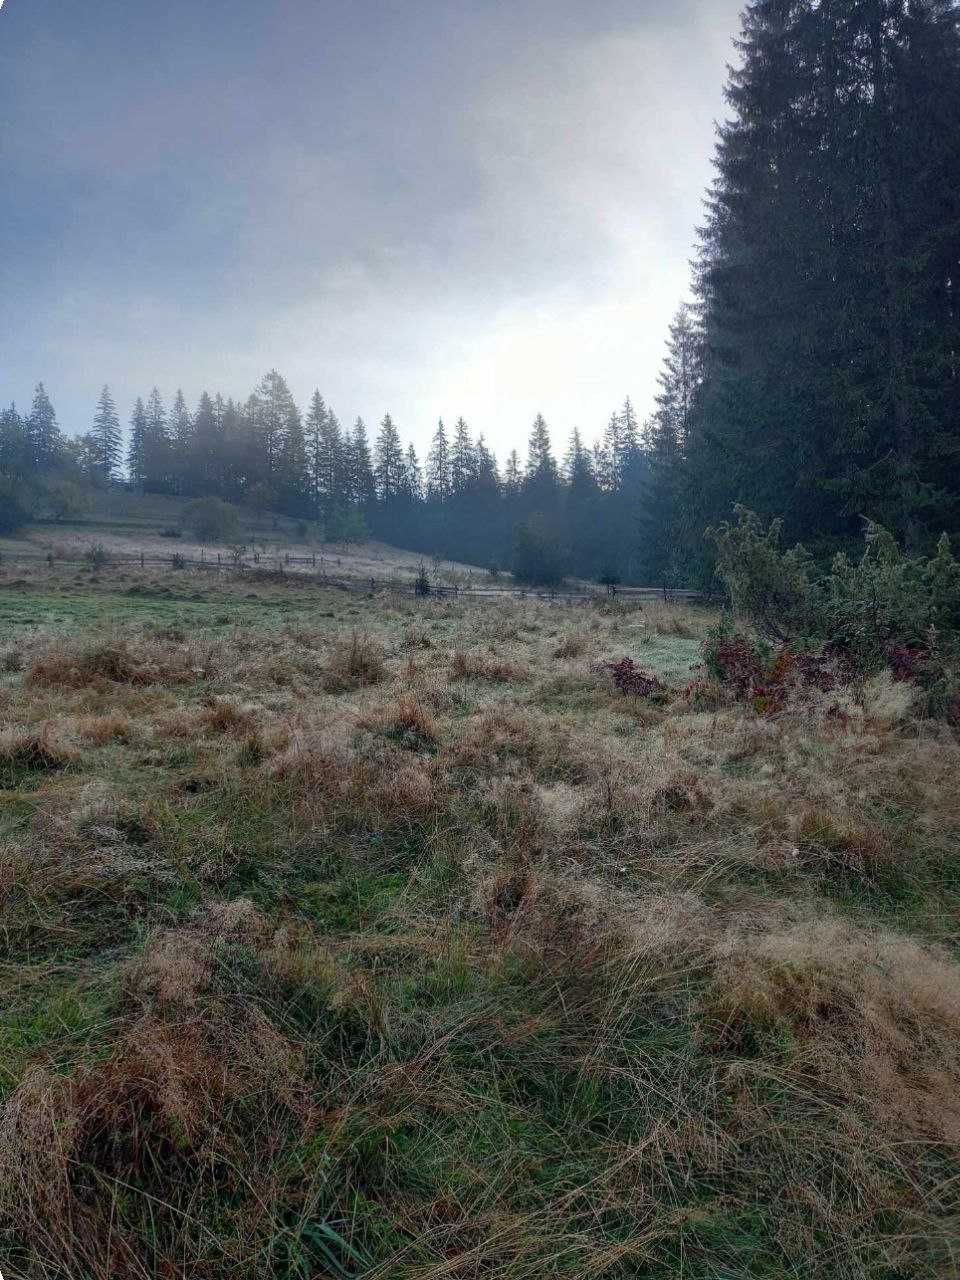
point(372, 936)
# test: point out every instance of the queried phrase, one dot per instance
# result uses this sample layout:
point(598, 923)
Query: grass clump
point(135, 659)
point(354, 663)
point(27, 751)
point(465, 665)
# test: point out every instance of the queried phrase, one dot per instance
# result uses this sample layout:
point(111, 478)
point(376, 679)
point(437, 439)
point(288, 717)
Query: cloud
point(483, 208)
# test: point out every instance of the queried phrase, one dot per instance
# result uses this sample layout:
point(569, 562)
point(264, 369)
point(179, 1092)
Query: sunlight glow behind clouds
point(429, 228)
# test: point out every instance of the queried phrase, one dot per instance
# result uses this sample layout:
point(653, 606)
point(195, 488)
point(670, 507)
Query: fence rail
point(314, 569)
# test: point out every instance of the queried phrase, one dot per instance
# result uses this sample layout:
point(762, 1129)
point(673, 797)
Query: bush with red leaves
point(907, 662)
point(732, 660)
point(767, 680)
point(631, 680)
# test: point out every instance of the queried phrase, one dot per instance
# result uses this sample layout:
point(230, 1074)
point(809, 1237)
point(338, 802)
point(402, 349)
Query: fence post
point(141, 560)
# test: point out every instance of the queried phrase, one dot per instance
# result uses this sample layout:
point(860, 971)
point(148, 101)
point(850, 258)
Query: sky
point(426, 207)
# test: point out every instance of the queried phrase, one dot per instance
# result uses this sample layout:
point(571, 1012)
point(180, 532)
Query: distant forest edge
point(815, 376)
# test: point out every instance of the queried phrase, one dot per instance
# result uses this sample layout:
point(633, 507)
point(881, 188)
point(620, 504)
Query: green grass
point(574, 986)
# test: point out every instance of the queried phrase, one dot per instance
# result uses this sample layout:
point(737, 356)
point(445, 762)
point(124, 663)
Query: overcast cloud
point(483, 207)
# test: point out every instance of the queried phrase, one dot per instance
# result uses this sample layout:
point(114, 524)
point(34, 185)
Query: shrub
point(354, 663)
point(16, 508)
point(212, 520)
point(346, 526)
point(772, 588)
point(884, 603)
point(97, 555)
point(421, 586)
point(538, 556)
point(67, 500)
point(631, 680)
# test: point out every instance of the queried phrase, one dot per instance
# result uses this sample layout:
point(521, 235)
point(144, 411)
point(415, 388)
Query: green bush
point(67, 500)
point(346, 526)
point(774, 590)
point(538, 555)
point(212, 520)
point(885, 600)
point(16, 505)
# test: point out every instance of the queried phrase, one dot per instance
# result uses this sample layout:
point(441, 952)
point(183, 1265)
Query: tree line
point(539, 515)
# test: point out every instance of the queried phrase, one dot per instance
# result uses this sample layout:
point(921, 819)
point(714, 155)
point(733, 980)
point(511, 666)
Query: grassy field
point(377, 937)
point(128, 524)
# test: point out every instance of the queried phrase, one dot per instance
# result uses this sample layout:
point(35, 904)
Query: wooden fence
point(316, 569)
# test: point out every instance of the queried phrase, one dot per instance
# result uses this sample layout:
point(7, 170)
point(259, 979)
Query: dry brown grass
point(36, 750)
point(507, 741)
point(572, 645)
point(111, 726)
point(137, 659)
point(407, 722)
point(466, 665)
point(874, 1016)
point(355, 662)
point(535, 982)
point(151, 1113)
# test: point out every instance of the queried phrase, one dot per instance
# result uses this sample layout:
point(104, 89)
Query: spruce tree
point(317, 465)
point(15, 460)
point(512, 474)
point(463, 463)
point(541, 479)
point(206, 461)
point(291, 475)
point(181, 445)
point(827, 273)
point(269, 411)
point(414, 475)
point(389, 468)
point(106, 439)
point(44, 439)
point(438, 478)
point(361, 478)
point(136, 450)
point(157, 458)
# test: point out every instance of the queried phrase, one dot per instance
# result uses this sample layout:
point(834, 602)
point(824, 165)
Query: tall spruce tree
point(136, 449)
point(463, 462)
point(180, 432)
point(106, 438)
point(439, 483)
point(389, 468)
point(314, 428)
point(541, 479)
point(361, 479)
point(157, 454)
point(44, 439)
